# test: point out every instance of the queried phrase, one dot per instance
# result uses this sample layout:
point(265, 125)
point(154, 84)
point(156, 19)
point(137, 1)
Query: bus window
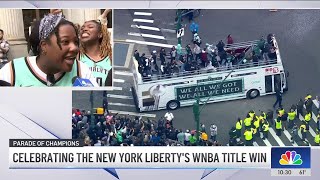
point(148, 102)
point(268, 84)
point(277, 82)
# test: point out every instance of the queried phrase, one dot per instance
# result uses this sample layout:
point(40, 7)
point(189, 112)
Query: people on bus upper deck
point(137, 55)
point(229, 39)
point(196, 39)
point(220, 46)
point(255, 58)
point(204, 58)
point(261, 42)
point(162, 55)
point(270, 38)
point(173, 53)
point(272, 53)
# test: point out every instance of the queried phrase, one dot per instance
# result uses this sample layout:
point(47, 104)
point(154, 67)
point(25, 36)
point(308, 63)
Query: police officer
point(317, 139)
point(256, 126)
point(308, 102)
point(279, 99)
point(254, 134)
point(303, 131)
point(239, 127)
point(247, 122)
point(265, 128)
point(307, 119)
point(300, 107)
point(278, 126)
point(252, 114)
point(233, 136)
point(248, 135)
point(291, 116)
point(294, 132)
point(284, 118)
point(269, 117)
point(262, 117)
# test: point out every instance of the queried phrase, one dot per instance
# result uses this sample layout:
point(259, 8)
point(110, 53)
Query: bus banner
point(210, 89)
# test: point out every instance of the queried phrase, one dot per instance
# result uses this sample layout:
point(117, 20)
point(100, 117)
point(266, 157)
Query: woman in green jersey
point(55, 45)
point(96, 51)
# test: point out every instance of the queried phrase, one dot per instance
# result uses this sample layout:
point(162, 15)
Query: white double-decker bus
point(245, 80)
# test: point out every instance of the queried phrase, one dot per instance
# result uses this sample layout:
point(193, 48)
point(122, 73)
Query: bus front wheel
point(253, 93)
point(173, 104)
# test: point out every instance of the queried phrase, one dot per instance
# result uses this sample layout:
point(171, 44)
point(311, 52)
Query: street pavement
point(297, 32)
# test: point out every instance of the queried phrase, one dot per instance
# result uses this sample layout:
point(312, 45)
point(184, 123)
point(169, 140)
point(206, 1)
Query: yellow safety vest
point(281, 112)
point(292, 115)
point(317, 139)
point(278, 125)
point(254, 130)
point(262, 118)
point(239, 125)
point(247, 121)
point(257, 123)
point(303, 127)
point(307, 117)
point(265, 127)
point(251, 115)
point(248, 135)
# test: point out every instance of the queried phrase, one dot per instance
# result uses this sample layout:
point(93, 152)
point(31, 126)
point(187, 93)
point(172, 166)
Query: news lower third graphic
point(291, 161)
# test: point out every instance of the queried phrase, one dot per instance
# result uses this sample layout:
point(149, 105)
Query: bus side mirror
point(287, 73)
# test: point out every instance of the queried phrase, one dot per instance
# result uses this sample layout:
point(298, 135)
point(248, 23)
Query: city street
point(296, 32)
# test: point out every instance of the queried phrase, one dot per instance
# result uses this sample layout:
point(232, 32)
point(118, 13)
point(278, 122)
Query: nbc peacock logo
point(291, 158)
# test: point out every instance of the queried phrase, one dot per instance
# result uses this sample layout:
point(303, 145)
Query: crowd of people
point(106, 129)
point(60, 51)
point(222, 56)
point(257, 125)
point(116, 130)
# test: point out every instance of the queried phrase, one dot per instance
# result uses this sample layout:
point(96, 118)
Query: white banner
point(140, 157)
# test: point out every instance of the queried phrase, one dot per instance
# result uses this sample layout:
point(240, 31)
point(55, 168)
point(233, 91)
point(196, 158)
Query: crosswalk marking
point(123, 73)
point(146, 35)
point(267, 142)
point(255, 143)
point(142, 13)
point(149, 43)
point(121, 104)
point(119, 96)
point(316, 103)
point(145, 27)
point(118, 80)
point(277, 138)
point(143, 20)
point(287, 134)
point(117, 88)
point(133, 113)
